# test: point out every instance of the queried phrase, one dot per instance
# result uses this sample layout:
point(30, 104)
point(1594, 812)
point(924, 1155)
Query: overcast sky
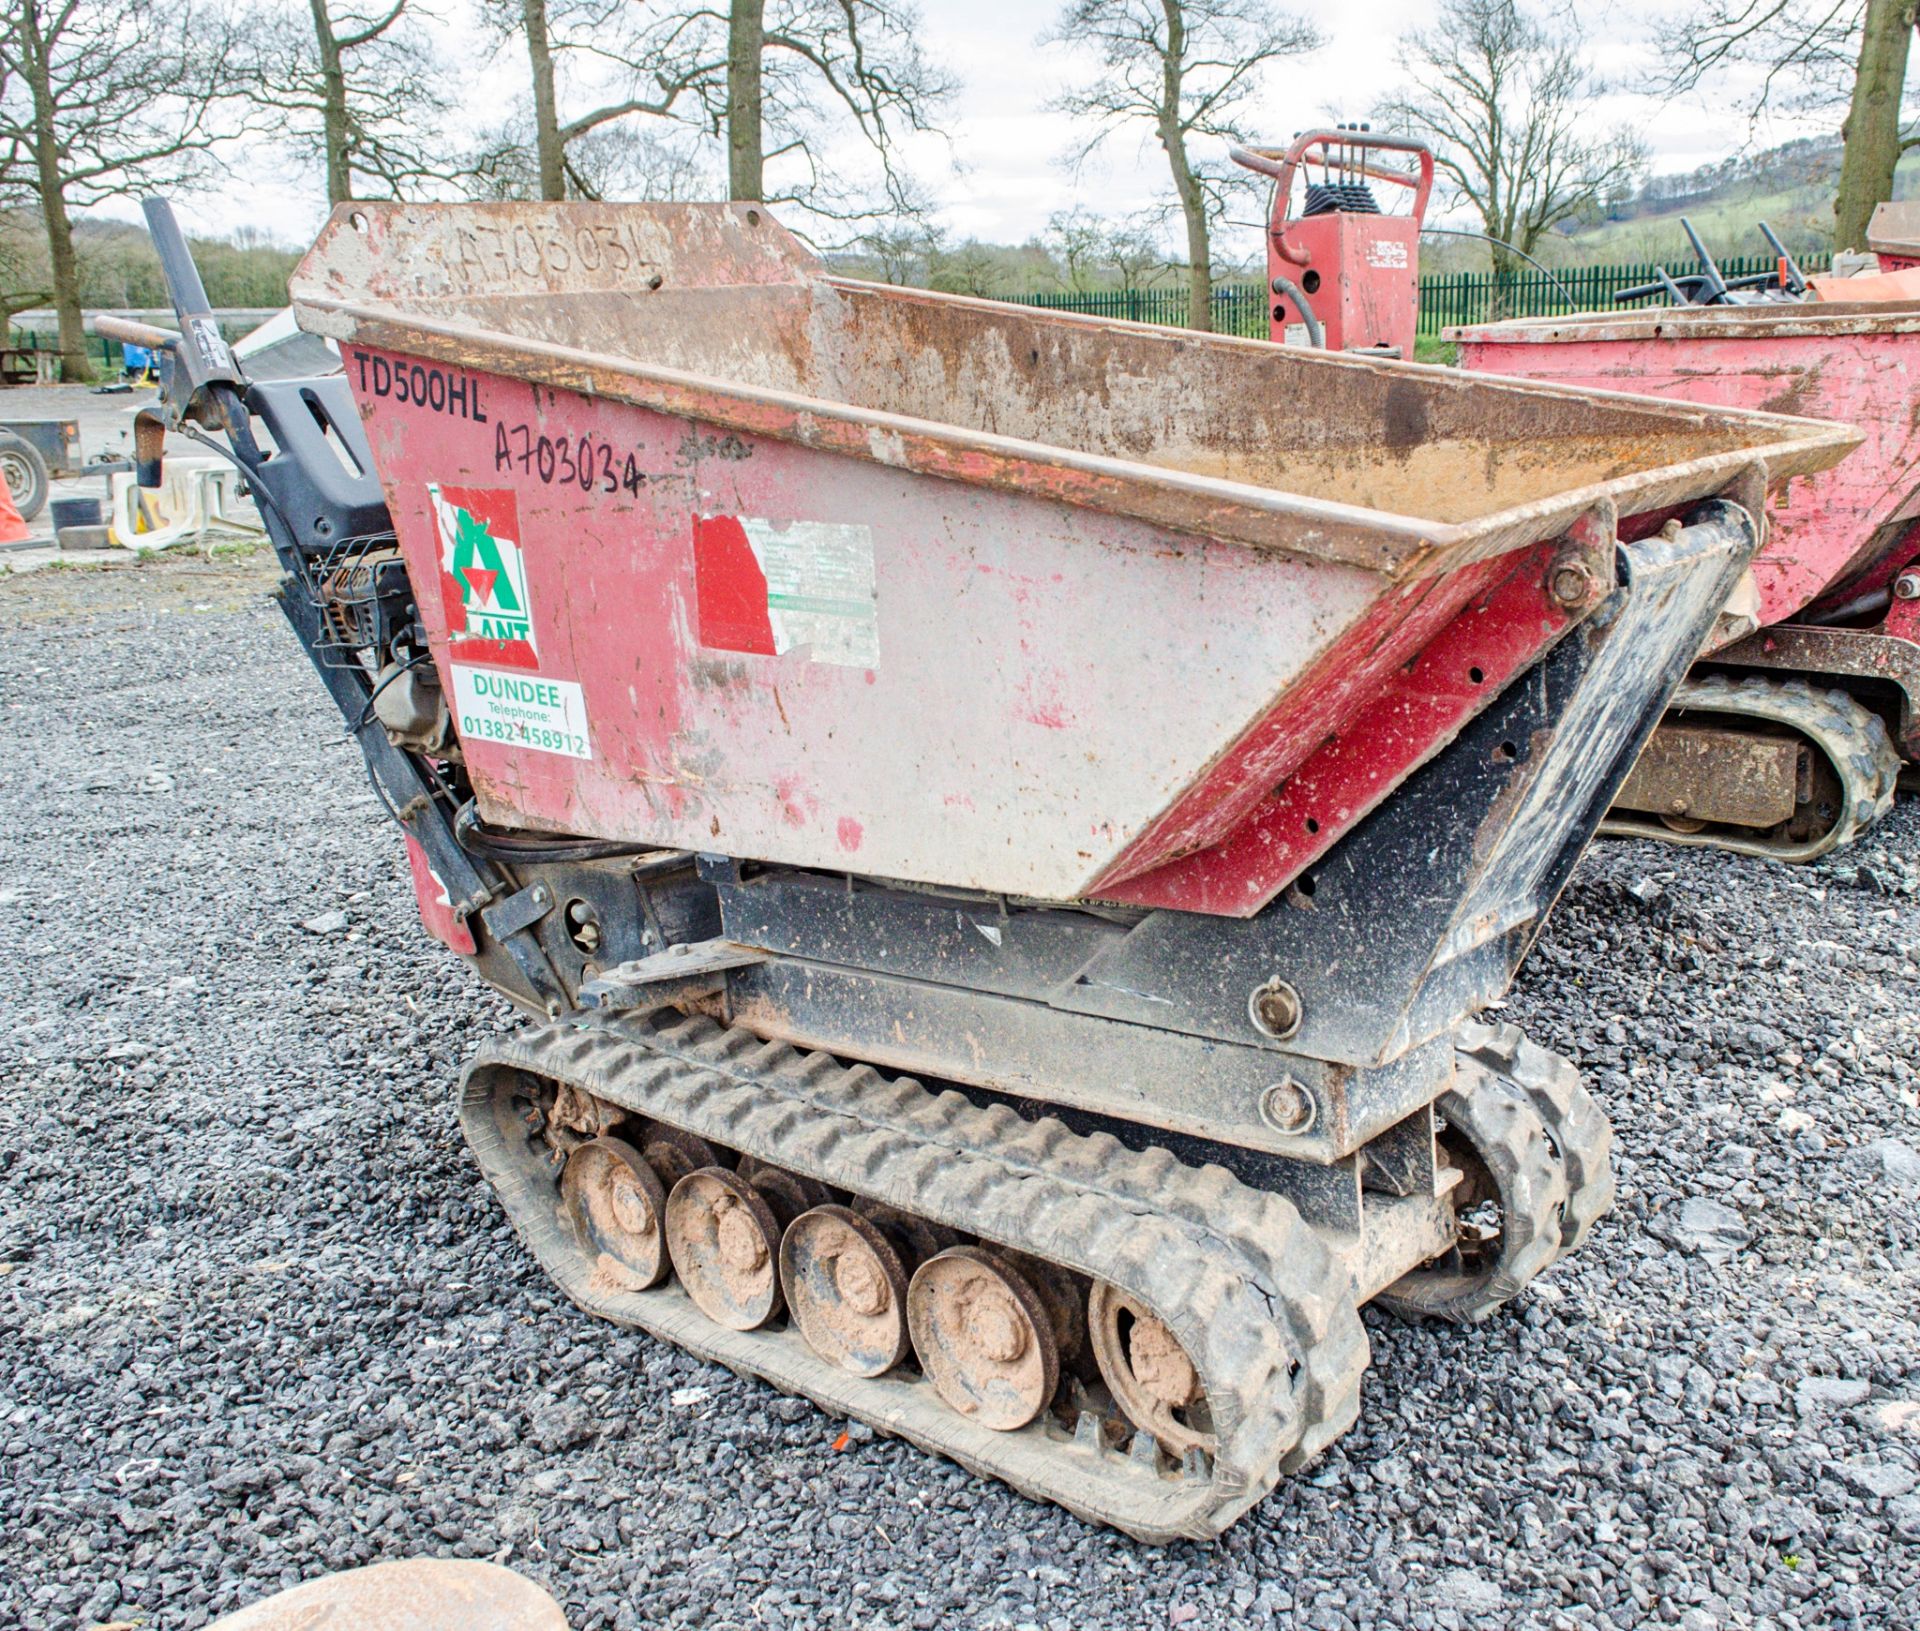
point(1009, 146)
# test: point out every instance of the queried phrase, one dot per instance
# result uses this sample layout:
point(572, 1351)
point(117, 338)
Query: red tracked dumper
point(1788, 740)
point(1002, 821)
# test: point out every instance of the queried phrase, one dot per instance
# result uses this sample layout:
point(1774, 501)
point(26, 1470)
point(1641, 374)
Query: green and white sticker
point(521, 710)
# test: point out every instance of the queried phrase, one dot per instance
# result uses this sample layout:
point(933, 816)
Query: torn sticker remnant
point(767, 588)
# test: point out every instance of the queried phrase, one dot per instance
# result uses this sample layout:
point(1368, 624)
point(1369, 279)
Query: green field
point(1803, 216)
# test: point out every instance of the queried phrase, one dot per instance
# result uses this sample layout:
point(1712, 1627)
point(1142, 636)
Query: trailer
point(1002, 823)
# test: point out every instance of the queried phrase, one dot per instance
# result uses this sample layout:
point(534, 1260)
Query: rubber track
point(1573, 1117)
point(1249, 1289)
point(1853, 739)
point(1499, 1119)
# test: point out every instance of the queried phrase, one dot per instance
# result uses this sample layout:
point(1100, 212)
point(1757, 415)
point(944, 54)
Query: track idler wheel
point(673, 1154)
point(1509, 1196)
point(618, 1209)
point(1148, 1372)
point(984, 1337)
point(847, 1290)
point(725, 1244)
point(786, 1192)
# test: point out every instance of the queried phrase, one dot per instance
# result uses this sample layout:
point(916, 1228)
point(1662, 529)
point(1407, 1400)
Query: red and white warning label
point(772, 587)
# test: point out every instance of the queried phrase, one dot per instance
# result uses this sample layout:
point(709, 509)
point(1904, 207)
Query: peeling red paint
point(849, 832)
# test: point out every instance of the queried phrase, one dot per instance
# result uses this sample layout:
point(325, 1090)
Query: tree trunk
point(1506, 267)
point(1193, 202)
point(1872, 131)
point(333, 77)
point(548, 147)
point(76, 366)
point(746, 39)
point(1199, 251)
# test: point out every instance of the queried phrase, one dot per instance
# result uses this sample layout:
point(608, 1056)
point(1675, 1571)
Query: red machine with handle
point(1344, 275)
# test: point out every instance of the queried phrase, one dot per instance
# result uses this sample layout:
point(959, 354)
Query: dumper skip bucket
point(1853, 363)
point(721, 552)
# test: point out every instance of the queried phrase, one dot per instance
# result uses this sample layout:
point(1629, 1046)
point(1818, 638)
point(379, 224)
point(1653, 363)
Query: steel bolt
point(1275, 1009)
point(1571, 583)
point(1287, 1107)
point(1907, 586)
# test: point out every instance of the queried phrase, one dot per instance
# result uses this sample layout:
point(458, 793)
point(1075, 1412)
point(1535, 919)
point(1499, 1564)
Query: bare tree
point(1132, 254)
point(973, 268)
point(774, 79)
point(795, 71)
point(615, 60)
point(903, 248)
point(1813, 55)
point(1184, 69)
point(357, 82)
point(646, 158)
point(1077, 240)
point(1096, 252)
point(1507, 104)
point(97, 101)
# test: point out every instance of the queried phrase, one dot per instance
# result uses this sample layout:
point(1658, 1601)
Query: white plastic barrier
point(197, 494)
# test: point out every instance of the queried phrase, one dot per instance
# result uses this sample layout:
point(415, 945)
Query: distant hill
point(1790, 187)
point(119, 269)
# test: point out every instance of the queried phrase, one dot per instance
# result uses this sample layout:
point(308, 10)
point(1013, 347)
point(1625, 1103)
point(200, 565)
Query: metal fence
point(1237, 308)
point(36, 330)
point(1446, 298)
point(1477, 297)
point(104, 352)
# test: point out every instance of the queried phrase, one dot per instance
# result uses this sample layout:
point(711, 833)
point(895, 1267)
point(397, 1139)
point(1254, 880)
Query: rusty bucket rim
point(1814, 320)
point(1422, 545)
point(1384, 543)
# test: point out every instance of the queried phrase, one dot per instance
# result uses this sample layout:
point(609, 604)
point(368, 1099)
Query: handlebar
point(129, 332)
point(1282, 164)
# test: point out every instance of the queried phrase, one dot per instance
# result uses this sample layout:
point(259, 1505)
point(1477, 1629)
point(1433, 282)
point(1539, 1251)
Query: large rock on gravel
point(1711, 1228)
point(1822, 1393)
point(420, 1594)
point(1892, 1163)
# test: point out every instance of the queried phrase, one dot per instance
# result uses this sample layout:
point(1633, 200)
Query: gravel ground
point(260, 1319)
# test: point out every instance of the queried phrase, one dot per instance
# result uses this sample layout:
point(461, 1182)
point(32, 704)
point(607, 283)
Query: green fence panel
point(1447, 299)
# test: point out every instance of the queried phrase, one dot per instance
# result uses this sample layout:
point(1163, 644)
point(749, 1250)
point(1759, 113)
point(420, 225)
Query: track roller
point(984, 1337)
point(847, 1289)
point(725, 1240)
point(1149, 1373)
point(618, 1208)
point(1236, 1336)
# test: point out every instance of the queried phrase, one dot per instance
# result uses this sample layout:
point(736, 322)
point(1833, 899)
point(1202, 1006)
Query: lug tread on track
point(1852, 738)
point(1499, 1119)
point(1261, 1305)
point(1574, 1121)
